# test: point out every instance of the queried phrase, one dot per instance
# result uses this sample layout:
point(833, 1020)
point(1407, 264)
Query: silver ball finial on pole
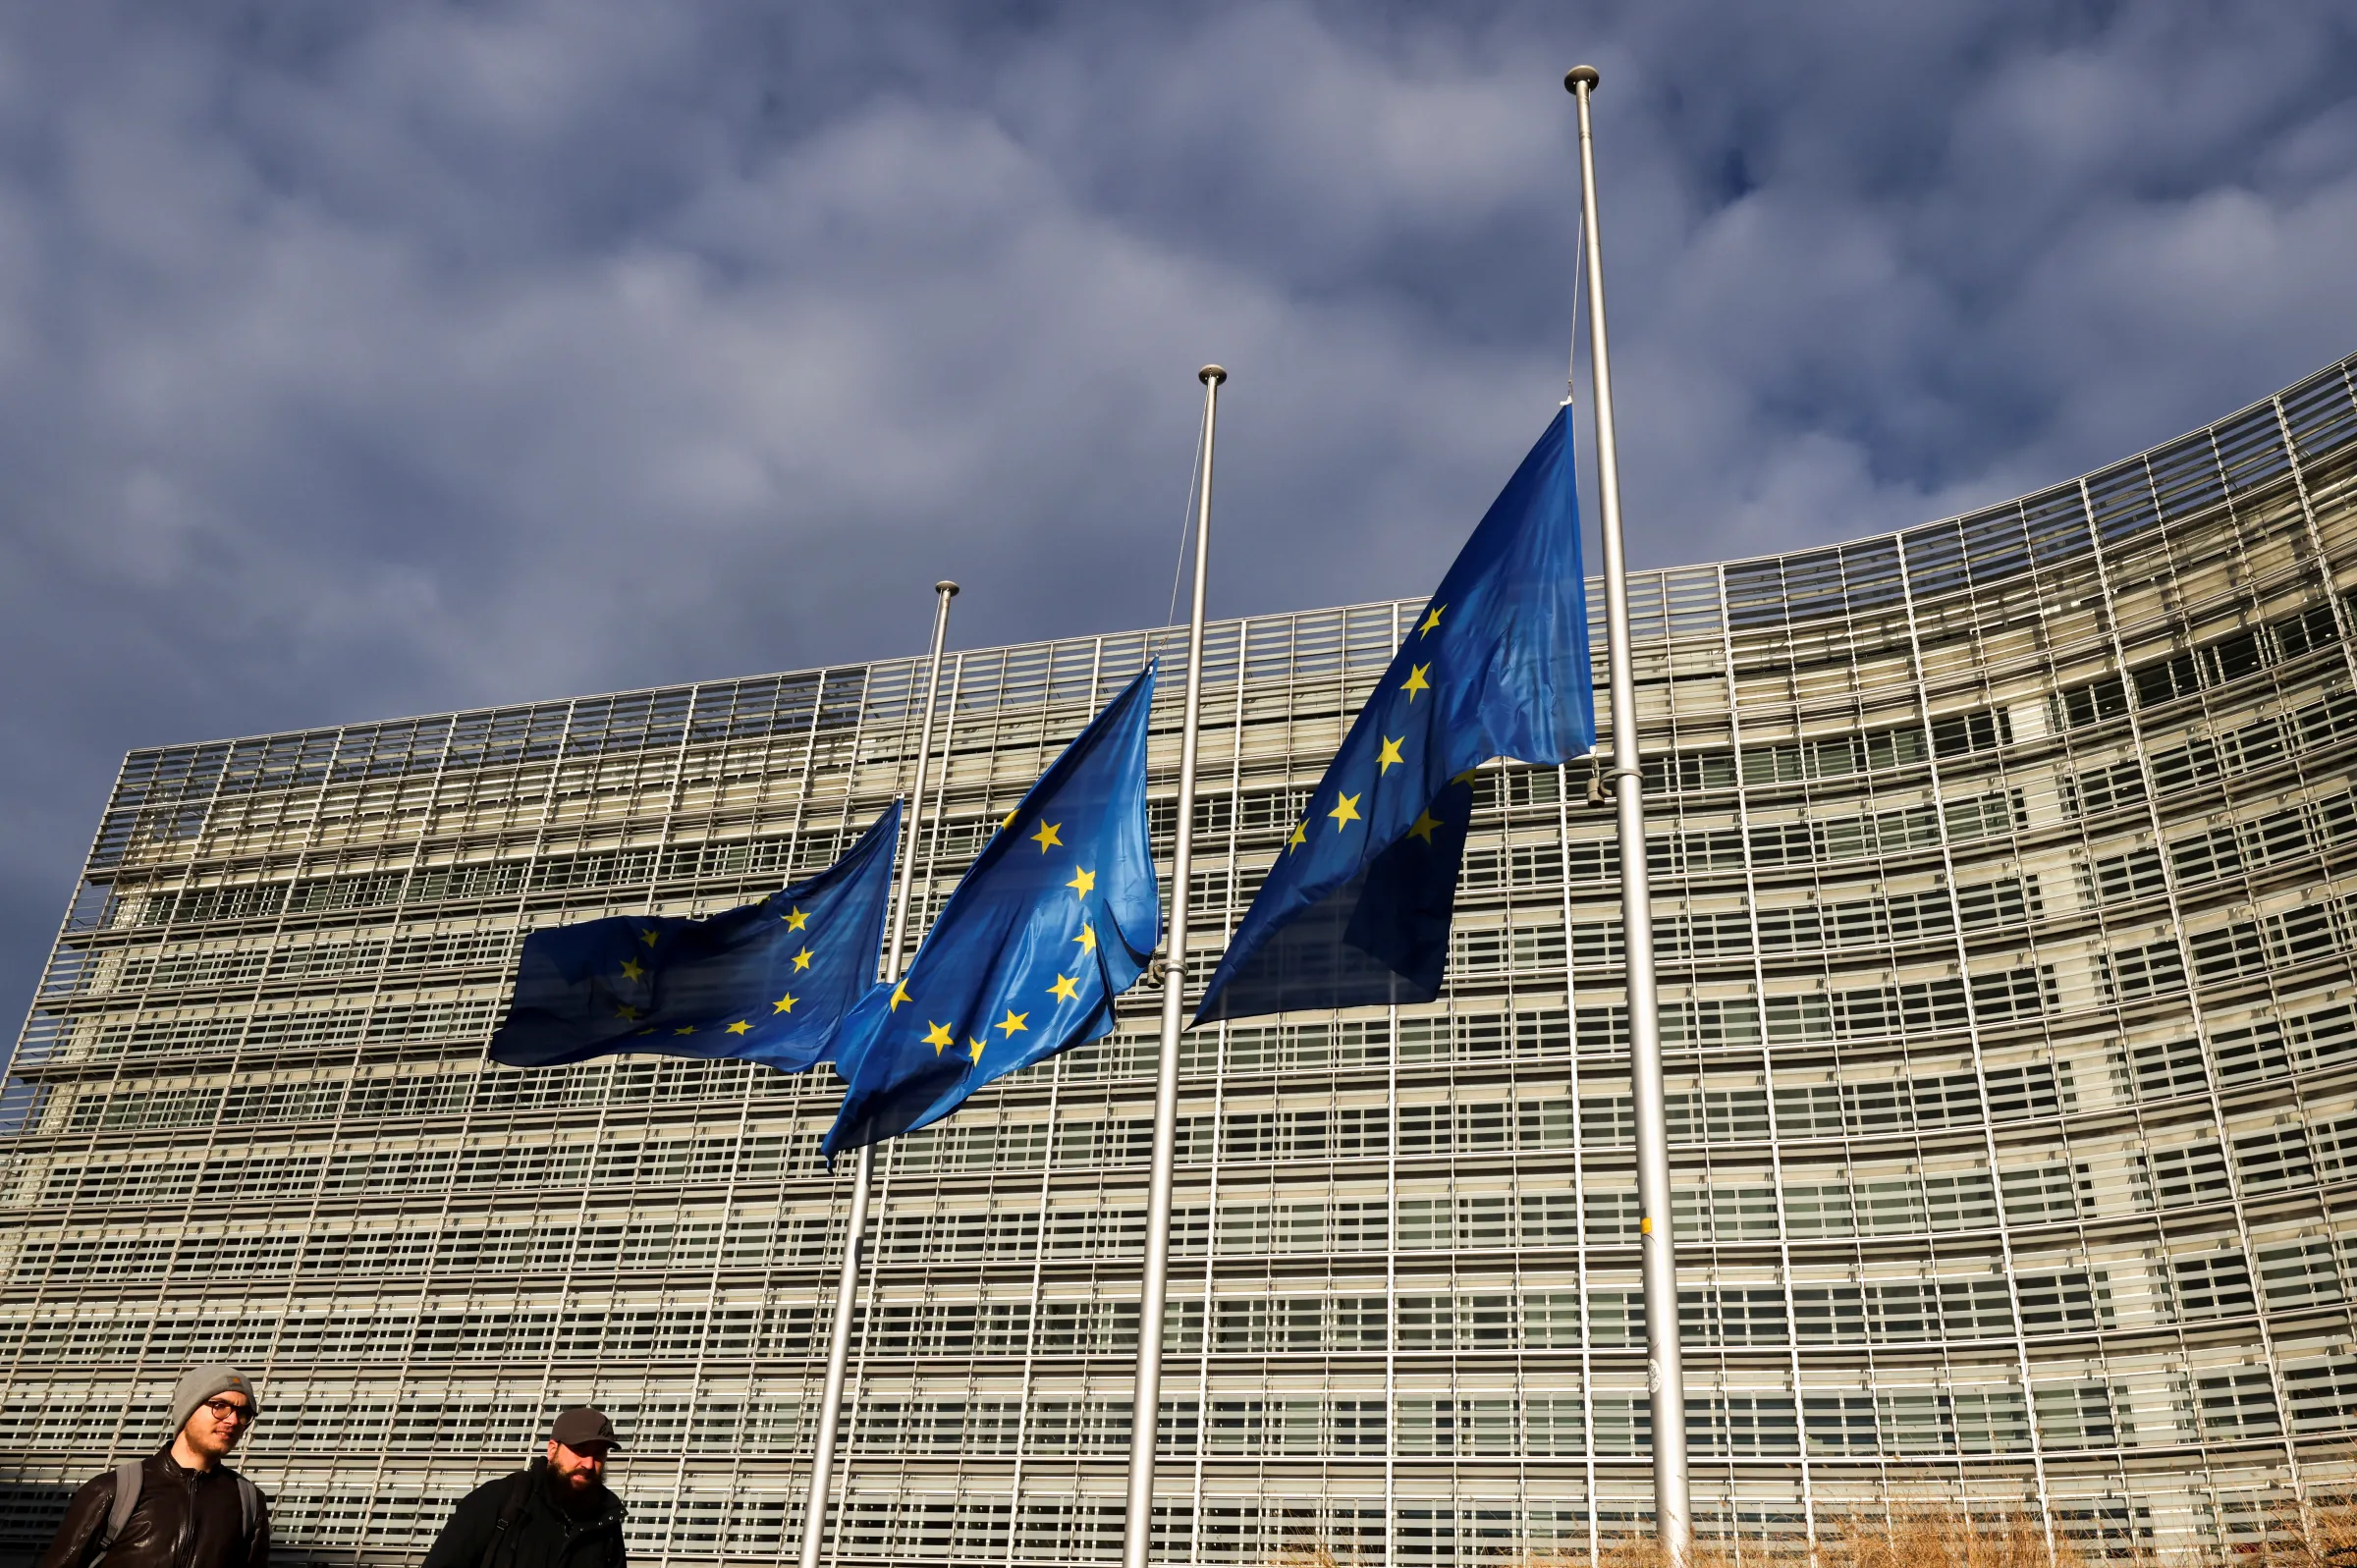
point(1578, 76)
point(945, 585)
point(1211, 375)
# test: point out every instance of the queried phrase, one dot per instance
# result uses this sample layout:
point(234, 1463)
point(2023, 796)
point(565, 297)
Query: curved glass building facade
point(2006, 940)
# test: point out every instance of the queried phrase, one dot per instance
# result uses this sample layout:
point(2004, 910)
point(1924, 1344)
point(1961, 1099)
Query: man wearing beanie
point(181, 1506)
point(556, 1514)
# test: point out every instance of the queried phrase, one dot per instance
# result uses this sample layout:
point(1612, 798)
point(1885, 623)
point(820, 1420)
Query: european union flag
point(1057, 917)
point(1356, 909)
point(769, 982)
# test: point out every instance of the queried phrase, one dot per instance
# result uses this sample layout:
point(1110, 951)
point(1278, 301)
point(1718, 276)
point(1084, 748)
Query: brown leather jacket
point(186, 1519)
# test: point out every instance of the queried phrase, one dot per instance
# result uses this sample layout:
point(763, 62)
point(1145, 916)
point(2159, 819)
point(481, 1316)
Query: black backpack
point(511, 1509)
point(128, 1476)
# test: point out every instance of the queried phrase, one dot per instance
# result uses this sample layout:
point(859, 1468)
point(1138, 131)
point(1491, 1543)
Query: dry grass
point(1945, 1538)
point(1304, 1557)
point(1645, 1552)
point(2322, 1536)
point(1910, 1537)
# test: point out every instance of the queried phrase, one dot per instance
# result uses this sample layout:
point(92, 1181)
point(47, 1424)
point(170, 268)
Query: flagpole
point(1665, 1371)
point(847, 1284)
point(1154, 1288)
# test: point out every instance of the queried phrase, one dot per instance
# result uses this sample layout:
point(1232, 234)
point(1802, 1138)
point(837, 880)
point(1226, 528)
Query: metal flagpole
point(847, 1284)
point(1665, 1371)
point(1154, 1288)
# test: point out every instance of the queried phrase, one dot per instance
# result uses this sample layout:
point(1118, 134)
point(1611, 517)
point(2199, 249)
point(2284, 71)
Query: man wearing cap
point(181, 1506)
point(557, 1514)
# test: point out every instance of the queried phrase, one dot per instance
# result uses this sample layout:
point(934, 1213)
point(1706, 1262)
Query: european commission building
point(2006, 876)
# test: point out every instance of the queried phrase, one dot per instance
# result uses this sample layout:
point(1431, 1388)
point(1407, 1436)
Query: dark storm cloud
point(367, 359)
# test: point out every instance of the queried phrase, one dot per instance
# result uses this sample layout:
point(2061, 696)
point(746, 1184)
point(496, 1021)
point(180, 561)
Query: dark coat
point(185, 1519)
point(545, 1535)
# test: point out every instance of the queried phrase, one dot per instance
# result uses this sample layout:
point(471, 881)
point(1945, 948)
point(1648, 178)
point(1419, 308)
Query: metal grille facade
point(2008, 898)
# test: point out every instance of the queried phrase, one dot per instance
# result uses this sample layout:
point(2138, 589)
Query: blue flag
point(1356, 909)
point(769, 982)
point(1057, 917)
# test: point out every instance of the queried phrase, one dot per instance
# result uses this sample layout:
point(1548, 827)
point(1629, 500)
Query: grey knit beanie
point(201, 1384)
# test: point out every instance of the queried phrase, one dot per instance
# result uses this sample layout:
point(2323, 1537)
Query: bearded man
point(556, 1514)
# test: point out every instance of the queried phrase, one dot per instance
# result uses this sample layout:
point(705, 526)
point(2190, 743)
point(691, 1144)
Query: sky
point(369, 360)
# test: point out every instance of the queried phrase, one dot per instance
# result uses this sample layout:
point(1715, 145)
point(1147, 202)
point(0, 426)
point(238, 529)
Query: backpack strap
point(250, 1508)
point(126, 1498)
point(511, 1509)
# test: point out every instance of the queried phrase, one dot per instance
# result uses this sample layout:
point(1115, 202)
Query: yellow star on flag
point(1087, 938)
point(626, 1014)
point(1415, 681)
point(648, 937)
point(1391, 755)
point(632, 969)
point(1065, 988)
point(1300, 835)
point(684, 1029)
point(900, 993)
point(1014, 1023)
point(795, 920)
point(974, 1049)
point(802, 961)
point(786, 1002)
point(1430, 622)
point(740, 1027)
point(1424, 824)
point(1345, 811)
point(1046, 836)
point(937, 1036)
point(1083, 883)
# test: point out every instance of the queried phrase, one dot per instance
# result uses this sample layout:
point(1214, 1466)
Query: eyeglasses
point(226, 1410)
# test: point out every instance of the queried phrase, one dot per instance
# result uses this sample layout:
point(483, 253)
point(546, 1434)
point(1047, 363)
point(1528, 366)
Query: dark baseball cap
point(582, 1426)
